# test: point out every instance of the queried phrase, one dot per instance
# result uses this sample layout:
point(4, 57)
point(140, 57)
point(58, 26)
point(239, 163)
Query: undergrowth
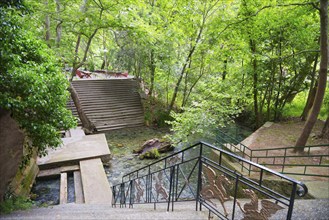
point(12, 203)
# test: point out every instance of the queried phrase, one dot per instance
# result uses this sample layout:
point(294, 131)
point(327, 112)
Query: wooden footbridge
point(110, 103)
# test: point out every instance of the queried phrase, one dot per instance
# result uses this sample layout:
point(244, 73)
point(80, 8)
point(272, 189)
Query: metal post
point(170, 188)
point(131, 194)
point(174, 188)
point(292, 200)
point(199, 180)
point(235, 194)
point(284, 159)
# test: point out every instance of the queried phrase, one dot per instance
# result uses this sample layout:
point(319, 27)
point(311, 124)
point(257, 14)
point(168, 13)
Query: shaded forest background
point(202, 62)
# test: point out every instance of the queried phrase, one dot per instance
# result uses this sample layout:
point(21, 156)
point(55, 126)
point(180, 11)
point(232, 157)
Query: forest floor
point(284, 134)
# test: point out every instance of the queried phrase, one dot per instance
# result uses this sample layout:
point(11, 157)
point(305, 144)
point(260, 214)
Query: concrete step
point(101, 211)
point(117, 116)
point(95, 186)
point(303, 209)
point(118, 127)
point(75, 149)
point(114, 105)
point(115, 111)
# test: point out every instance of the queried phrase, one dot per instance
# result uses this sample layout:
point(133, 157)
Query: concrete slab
point(76, 132)
point(78, 187)
point(63, 189)
point(96, 188)
point(57, 171)
point(75, 149)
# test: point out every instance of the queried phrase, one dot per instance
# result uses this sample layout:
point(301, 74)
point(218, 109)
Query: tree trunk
point(225, 70)
point(152, 69)
point(309, 102)
point(311, 120)
point(325, 129)
point(277, 114)
point(255, 84)
point(59, 24)
point(86, 123)
point(185, 65)
point(312, 91)
point(202, 71)
point(47, 26)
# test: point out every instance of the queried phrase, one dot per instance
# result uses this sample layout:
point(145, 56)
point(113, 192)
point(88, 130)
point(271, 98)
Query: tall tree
point(322, 81)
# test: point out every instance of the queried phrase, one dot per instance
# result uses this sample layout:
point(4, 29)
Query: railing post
point(122, 194)
point(284, 160)
point(235, 194)
point(132, 194)
point(292, 200)
point(199, 186)
point(171, 181)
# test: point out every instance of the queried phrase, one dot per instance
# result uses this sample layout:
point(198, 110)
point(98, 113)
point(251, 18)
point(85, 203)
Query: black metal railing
point(284, 159)
point(199, 173)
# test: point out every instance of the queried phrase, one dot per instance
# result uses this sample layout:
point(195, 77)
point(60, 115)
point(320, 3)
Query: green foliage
point(32, 86)
point(217, 106)
point(296, 107)
point(13, 203)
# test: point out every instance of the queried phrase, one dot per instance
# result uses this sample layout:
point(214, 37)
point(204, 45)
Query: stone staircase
point(110, 103)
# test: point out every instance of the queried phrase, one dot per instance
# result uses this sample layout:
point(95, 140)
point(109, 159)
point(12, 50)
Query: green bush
point(32, 86)
point(15, 203)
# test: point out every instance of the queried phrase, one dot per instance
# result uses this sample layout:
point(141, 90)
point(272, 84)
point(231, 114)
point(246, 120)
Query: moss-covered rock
point(150, 154)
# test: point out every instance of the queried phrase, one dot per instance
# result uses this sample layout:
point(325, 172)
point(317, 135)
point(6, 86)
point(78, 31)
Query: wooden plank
point(57, 171)
point(79, 198)
point(96, 188)
point(63, 189)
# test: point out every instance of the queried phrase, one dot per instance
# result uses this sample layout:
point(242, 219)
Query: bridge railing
point(199, 174)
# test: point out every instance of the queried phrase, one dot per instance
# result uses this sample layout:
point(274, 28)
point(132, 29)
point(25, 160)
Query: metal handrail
point(138, 181)
point(252, 155)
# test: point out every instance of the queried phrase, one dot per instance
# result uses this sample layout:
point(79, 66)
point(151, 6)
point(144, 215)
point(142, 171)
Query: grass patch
point(296, 107)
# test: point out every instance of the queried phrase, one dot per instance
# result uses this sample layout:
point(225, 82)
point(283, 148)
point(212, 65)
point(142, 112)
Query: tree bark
point(322, 81)
point(309, 102)
point(312, 91)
